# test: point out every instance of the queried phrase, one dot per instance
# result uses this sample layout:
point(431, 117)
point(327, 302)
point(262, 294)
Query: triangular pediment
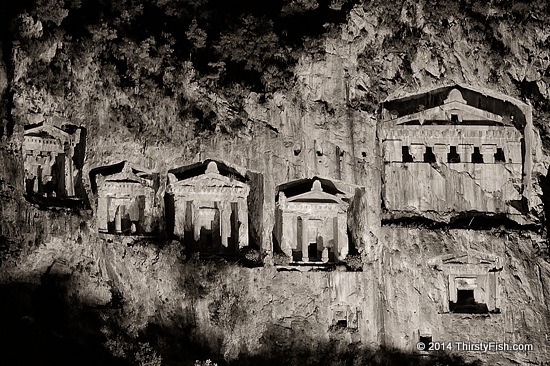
point(315, 194)
point(315, 197)
point(209, 180)
point(121, 172)
point(468, 258)
point(46, 131)
point(454, 110)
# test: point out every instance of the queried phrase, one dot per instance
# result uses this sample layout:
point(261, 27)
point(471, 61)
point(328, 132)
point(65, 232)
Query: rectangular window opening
point(499, 156)
point(466, 303)
point(477, 158)
point(452, 156)
point(407, 157)
point(426, 340)
point(429, 156)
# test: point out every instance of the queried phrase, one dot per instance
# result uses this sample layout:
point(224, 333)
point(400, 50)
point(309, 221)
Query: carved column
point(417, 151)
point(102, 213)
point(180, 215)
point(242, 216)
point(196, 227)
point(118, 220)
point(465, 152)
point(488, 151)
point(305, 240)
point(512, 152)
point(393, 150)
point(225, 222)
point(69, 180)
point(342, 252)
point(440, 151)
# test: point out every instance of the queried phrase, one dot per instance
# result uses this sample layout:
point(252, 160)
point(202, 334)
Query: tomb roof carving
point(209, 166)
point(214, 172)
point(477, 106)
point(46, 131)
point(316, 189)
point(470, 257)
point(122, 171)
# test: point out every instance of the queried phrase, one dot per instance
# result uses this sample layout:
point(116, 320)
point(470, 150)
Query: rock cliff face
point(140, 300)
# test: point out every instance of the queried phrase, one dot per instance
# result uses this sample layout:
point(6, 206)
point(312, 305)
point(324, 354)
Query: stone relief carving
point(125, 199)
point(453, 156)
point(209, 207)
point(49, 168)
point(311, 221)
point(472, 282)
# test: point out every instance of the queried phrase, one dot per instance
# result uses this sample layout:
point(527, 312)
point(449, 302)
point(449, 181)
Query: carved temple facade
point(472, 281)
point(452, 150)
point(49, 168)
point(311, 221)
point(207, 206)
point(126, 199)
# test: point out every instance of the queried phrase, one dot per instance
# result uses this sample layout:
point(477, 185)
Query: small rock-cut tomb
point(209, 207)
point(472, 281)
point(126, 200)
point(311, 221)
point(48, 152)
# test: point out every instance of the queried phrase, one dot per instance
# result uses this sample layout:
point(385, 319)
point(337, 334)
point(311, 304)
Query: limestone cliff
point(276, 97)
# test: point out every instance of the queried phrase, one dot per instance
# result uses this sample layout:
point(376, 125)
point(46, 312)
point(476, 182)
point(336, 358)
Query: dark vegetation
point(144, 42)
point(41, 325)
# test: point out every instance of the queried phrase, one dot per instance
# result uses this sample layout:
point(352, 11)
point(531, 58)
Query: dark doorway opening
point(452, 156)
point(477, 158)
point(342, 323)
point(312, 252)
point(407, 157)
point(426, 340)
point(429, 156)
point(466, 304)
point(499, 156)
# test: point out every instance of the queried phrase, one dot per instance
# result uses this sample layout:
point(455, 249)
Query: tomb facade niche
point(311, 220)
point(345, 316)
point(472, 283)
point(126, 202)
point(453, 149)
point(207, 207)
point(50, 171)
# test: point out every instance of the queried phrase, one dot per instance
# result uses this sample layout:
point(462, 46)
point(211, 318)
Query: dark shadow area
point(467, 220)
point(407, 157)
point(429, 156)
point(78, 161)
point(293, 347)
point(45, 203)
point(466, 304)
point(40, 327)
point(499, 156)
point(414, 221)
point(452, 156)
point(486, 221)
point(477, 158)
point(544, 182)
point(169, 214)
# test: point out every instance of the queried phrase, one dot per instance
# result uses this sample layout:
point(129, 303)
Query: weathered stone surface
point(325, 125)
point(455, 156)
